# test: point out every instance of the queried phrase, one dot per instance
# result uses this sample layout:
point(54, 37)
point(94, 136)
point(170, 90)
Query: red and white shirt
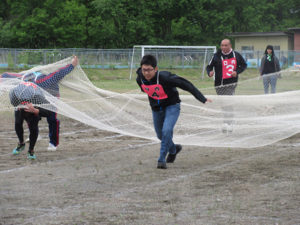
point(228, 66)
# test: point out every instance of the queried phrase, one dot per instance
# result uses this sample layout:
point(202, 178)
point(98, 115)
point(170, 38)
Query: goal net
point(174, 57)
point(255, 119)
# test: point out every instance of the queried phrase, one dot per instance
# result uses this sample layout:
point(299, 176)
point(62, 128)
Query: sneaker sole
point(15, 152)
point(161, 166)
point(31, 157)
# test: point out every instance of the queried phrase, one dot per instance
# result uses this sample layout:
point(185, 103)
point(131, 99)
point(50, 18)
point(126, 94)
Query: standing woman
point(269, 65)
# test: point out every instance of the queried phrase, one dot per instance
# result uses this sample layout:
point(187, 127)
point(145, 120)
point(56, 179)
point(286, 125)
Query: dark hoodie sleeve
point(211, 64)
point(241, 64)
point(186, 85)
point(262, 64)
point(138, 78)
point(55, 77)
point(277, 64)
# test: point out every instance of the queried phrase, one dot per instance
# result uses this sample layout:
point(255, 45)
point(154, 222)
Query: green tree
point(69, 25)
point(124, 23)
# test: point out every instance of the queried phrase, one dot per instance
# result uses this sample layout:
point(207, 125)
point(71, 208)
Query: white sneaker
point(39, 138)
point(51, 147)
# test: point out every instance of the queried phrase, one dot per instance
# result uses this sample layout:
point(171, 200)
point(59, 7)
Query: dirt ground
point(96, 177)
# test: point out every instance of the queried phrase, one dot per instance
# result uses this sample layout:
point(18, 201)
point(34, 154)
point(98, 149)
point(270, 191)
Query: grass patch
point(118, 79)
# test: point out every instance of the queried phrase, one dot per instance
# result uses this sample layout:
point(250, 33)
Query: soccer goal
point(174, 57)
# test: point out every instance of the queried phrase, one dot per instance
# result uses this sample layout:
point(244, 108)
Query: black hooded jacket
point(169, 82)
point(267, 66)
point(216, 62)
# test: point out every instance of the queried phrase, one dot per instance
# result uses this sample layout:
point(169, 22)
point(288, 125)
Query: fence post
point(182, 58)
point(15, 59)
point(203, 69)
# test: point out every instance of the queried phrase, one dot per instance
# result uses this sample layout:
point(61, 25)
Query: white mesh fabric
point(255, 119)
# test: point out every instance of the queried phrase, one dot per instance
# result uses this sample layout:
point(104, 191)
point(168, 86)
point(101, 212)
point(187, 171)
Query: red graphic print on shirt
point(155, 91)
point(228, 66)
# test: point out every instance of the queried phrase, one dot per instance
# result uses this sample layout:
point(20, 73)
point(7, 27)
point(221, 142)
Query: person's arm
point(55, 77)
point(277, 67)
point(277, 64)
point(10, 75)
point(210, 66)
point(262, 65)
point(186, 85)
point(241, 63)
point(138, 79)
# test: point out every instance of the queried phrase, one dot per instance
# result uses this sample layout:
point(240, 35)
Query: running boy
point(160, 86)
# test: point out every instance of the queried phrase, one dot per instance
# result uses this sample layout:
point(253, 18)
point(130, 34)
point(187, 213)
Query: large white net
point(246, 119)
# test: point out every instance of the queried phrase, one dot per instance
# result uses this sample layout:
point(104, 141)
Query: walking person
point(226, 65)
point(268, 68)
point(161, 88)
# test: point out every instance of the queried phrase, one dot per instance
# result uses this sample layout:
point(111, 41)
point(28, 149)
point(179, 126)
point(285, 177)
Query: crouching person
point(32, 115)
point(22, 97)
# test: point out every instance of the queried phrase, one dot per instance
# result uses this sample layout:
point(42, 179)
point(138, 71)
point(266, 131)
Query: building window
point(276, 47)
point(247, 52)
point(245, 48)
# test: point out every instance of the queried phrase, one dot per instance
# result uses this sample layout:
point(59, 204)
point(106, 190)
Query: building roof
point(259, 34)
point(294, 29)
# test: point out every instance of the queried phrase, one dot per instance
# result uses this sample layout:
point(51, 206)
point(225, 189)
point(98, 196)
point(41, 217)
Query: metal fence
point(286, 58)
point(122, 58)
point(89, 58)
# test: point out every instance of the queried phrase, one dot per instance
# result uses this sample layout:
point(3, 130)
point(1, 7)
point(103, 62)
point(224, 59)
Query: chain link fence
point(121, 58)
point(89, 58)
point(286, 58)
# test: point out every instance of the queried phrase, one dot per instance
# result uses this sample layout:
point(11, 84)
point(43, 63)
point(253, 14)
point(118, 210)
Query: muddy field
point(96, 177)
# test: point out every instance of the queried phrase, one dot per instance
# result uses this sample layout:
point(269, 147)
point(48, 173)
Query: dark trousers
point(53, 123)
point(32, 121)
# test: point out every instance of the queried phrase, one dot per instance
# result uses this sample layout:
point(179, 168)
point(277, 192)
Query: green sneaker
point(31, 156)
point(18, 149)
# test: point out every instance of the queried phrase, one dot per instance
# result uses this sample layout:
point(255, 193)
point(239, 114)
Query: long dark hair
point(270, 47)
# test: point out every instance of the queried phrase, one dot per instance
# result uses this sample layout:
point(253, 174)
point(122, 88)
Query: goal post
point(174, 56)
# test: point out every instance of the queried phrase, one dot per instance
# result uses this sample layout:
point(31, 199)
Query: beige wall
point(260, 43)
